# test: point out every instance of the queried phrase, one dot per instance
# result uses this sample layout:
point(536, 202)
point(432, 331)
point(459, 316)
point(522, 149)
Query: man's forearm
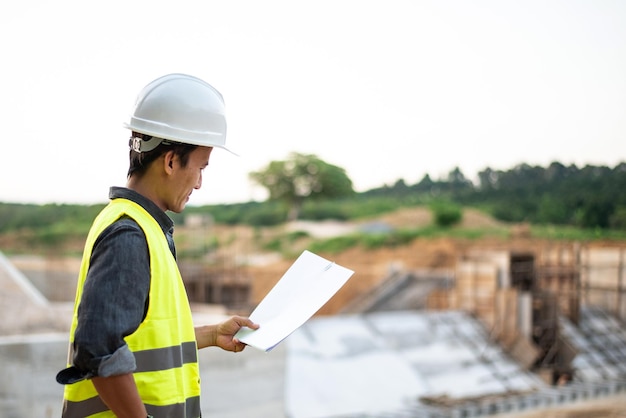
point(206, 336)
point(223, 334)
point(120, 394)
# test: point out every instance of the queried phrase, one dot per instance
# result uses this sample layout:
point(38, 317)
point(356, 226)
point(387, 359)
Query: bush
point(446, 214)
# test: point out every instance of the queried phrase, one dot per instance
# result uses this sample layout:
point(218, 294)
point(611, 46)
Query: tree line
point(586, 197)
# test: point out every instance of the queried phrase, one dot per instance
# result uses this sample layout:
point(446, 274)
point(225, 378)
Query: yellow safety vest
point(164, 345)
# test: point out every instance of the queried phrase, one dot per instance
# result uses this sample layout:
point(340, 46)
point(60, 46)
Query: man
point(133, 345)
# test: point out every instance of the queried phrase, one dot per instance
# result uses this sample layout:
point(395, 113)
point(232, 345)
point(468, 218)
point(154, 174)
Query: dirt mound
point(419, 217)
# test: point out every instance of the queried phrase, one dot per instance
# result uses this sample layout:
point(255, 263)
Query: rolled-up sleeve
point(113, 302)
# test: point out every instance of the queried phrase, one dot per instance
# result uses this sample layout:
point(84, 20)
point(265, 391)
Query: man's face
point(186, 179)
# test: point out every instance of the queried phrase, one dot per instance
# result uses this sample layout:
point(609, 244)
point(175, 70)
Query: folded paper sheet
point(306, 286)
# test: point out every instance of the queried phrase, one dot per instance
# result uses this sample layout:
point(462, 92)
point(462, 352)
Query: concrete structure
point(24, 309)
point(437, 364)
point(387, 355)
point(248, 384)
point(386, 363)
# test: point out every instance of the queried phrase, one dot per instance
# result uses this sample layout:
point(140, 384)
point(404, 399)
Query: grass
point(570, 233)
point(401, 237)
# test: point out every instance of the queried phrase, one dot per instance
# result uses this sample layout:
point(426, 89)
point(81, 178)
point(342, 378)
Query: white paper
point(306, 286)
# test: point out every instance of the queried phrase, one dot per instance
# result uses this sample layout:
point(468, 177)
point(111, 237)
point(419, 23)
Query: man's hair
point(140, 161)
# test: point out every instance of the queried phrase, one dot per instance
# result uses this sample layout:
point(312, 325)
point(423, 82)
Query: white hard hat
point(178, 108)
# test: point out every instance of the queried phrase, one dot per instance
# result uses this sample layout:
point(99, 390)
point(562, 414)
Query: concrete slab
point(247, 384)
point(383, 363)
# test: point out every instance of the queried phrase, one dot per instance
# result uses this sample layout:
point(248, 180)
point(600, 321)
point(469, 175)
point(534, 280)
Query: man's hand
point(226, 332)
point(223, 334)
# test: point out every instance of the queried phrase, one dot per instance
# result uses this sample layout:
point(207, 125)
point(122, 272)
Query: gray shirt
point(115, 294)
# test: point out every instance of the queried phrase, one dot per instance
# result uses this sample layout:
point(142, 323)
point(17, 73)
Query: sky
point(387, 90)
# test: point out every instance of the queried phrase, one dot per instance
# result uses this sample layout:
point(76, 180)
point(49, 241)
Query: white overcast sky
point(385, 89)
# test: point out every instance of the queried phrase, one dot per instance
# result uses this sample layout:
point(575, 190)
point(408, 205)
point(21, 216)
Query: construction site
point(547, 323)
point(436, 328)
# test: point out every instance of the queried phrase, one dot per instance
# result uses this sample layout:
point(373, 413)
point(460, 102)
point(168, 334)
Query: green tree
point(618, 218)
point(551, 210)
point(301, 177)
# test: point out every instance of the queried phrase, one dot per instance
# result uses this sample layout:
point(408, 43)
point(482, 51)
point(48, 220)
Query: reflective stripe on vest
point(92, 408)
point(164, 345)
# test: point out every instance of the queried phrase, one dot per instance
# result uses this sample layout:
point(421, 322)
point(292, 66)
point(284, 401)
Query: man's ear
point(168, 161)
